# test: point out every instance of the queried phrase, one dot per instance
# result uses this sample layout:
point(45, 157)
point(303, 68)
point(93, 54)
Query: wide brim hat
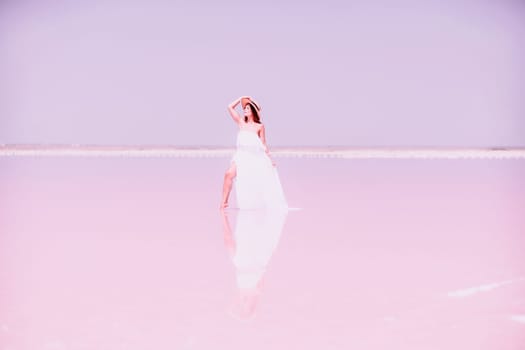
point(245, 101)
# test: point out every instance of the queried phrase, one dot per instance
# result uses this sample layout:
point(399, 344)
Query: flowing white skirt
point(257, 184)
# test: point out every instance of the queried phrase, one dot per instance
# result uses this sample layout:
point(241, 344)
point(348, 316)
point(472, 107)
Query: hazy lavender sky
point(368, 73)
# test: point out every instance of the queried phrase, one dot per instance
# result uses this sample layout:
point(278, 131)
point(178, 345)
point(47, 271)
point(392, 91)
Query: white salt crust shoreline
point(218, 152)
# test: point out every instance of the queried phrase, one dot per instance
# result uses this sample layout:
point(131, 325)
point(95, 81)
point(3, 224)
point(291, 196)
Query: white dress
point(257, 184)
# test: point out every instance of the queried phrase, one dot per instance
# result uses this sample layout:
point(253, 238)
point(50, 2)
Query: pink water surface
point(133, 253)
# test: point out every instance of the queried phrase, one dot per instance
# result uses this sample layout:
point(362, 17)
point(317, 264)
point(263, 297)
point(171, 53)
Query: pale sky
point(327, 73)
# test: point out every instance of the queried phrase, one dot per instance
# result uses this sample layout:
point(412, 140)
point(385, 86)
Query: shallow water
point(133, 253)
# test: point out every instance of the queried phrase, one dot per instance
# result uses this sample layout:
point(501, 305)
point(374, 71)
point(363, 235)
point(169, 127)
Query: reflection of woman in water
point(251, 245)
point(256, 178)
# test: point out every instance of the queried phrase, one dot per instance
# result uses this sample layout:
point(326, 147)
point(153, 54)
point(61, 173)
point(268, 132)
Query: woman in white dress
point(257, 182)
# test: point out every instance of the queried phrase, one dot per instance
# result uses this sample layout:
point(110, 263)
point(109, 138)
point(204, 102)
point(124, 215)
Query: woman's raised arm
point(231, 108)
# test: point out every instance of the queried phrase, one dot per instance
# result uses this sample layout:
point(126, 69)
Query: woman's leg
point(227, 185)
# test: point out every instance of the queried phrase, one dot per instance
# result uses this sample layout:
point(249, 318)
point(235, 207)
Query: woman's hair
point(255, 115)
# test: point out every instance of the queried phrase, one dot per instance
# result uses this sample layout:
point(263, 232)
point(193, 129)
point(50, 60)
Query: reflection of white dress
point(257, 183)
point(257, 234)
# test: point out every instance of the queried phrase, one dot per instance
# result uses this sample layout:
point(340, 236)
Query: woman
point(257, 183)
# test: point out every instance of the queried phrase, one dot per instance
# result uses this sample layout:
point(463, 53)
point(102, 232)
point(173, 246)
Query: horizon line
point(346, 152)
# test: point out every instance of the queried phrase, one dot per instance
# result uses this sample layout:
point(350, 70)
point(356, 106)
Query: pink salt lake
point(133, 253)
